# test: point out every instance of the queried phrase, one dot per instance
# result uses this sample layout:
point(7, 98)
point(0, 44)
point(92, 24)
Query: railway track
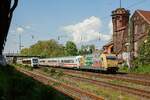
point(75, 93)
point(134, 91)
point(138, 92)
point(140, 76)
point(128, 77)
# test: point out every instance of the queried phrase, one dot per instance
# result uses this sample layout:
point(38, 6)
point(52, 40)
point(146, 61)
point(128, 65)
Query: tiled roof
point(145, 15)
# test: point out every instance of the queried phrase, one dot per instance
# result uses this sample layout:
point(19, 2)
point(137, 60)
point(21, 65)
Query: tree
point(6, 13)
point(87, 49)
point(71, 49)
point(92, 48)
point(25, 51)
point(144, 51)
point(49, 48)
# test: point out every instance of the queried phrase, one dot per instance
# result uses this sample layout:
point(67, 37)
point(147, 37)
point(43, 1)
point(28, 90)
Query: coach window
point(49, 61)
point(72, 61)
point(42, 61)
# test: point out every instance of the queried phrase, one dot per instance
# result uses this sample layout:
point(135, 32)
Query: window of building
point(139, 29)
point(135, 29)
point(135, 49)
point(143, 28)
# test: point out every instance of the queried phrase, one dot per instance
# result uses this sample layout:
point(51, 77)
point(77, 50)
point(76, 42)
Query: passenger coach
point(69, 62)
point(33, 62)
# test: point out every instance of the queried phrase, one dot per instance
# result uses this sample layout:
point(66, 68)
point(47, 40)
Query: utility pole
point(120, 3)
point(20, 43)
point(129, 48)
point(99, 36)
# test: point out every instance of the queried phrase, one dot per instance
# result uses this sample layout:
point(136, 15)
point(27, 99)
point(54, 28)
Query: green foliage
point(124, 69)
point(53, 72)
point(16, 86)
point(143, 58)
point(144, 52)
point(25, 51)
point(135, 62)
point(60, 74)
point(49, 48)
point(143, 69)
point(141, 64)
point(71, 49)
point(86, 49)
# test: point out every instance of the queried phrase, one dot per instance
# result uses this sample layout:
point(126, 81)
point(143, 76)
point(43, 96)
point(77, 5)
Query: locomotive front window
point(111, 58)
point(35, 60)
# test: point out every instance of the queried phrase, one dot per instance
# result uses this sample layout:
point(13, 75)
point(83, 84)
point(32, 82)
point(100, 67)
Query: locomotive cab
point(109, 62)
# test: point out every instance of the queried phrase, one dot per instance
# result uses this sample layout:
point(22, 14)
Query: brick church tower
point(120, 20)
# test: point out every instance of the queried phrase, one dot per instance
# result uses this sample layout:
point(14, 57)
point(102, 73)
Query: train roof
point(62, 57)
point(108, 54)
point(30, 58)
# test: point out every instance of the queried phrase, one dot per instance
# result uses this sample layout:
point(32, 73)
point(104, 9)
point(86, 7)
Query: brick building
point(120, 20)
point(108, 48)
point(127, 33)
point(140, 27)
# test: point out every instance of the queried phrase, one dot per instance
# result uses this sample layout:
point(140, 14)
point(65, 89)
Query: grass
point(16, 86)
point(53, 72)
point(145, 69)
point(23, 66)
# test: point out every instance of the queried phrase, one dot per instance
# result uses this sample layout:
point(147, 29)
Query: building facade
point(140, 27)
point(108, 48)
point(132, 33)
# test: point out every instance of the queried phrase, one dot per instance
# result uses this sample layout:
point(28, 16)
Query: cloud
point(86, 31)
point(19, 30)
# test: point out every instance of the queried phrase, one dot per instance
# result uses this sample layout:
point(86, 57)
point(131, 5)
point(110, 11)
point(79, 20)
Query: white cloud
point(19, 30)
point(86, 30)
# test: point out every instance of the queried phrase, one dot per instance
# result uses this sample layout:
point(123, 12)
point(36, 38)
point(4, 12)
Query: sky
point(81, 21)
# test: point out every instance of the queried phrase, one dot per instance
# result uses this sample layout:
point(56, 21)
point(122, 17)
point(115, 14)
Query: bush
point(136, 63)
point(144, 52)
point(141, 64)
